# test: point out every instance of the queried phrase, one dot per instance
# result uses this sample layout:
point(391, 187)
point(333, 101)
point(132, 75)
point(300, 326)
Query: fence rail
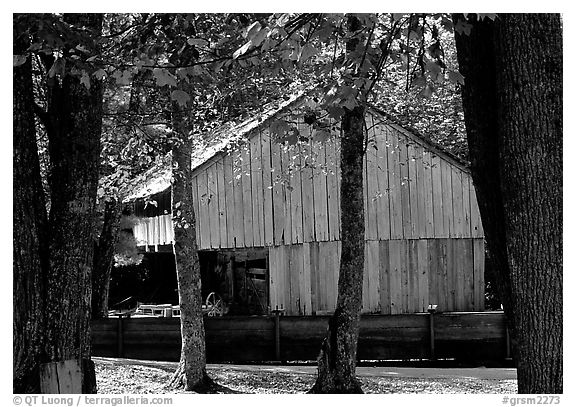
point(474, 336)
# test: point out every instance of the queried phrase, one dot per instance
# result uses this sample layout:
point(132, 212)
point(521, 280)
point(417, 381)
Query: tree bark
point(104, 258)
point(525, 92)
point(74, 129)
point(191, 372)
point(30, 225)
point(337, 359)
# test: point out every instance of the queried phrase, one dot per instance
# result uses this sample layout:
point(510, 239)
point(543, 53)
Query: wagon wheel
point(214, 305)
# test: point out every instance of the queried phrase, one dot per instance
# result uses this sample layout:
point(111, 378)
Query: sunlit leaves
point(242, 50)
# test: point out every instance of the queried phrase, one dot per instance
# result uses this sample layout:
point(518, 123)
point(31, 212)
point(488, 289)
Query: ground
point(137, 376)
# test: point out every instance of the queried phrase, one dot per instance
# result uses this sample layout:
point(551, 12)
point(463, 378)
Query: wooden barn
point(268, 219)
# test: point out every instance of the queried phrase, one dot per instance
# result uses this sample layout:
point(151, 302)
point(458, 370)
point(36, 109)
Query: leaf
point(198, 42)
point(463, 27)
point(242, 50)
point(253, 29)
point(307, 51)
point(320, 135)
point(19, 59)
point(180, 97)
point(85, 80)
point(455, 77)
point(100, 74)
point(163, 77)
point(261, 36)
point(122, 77)
point(57, 68)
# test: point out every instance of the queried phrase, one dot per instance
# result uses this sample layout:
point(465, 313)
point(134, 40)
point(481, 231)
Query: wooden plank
point(437, 196)
point(383, 201)
point(212, 201)
point(238, 198)
point(413, 284)
point(476, 221)
point(451, 274)
point(442, 276)
point(268, 214)
point(478, 253)
point(466, 220)
point(395, 277)
point(320, 194)
point(371, 214)
point(332, 191)
point(384, 269)
point(405, 188)
point(413, 188)
point(170, 229)
point(459, 271)
point(257, 193)
point(275, 280)
point(457, 202)
point(282, 226)
point(229, 199)
point(394, 181)
point(314, 277)
point(365, 195)
point(295, 256)
point(468, 271)
point(433, 272)
point(373, 271)
point(246, 174)
point(308, 193)
point(304, 280)
point(365, 282)
point(222, 207)
point(447, 199)
point(423, 272)
point(292, 156)
point(203, 197)
point(338, 183)
point(425, 215)
point(283, 277)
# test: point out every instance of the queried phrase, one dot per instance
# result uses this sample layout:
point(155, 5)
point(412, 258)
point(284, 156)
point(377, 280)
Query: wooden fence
point(476, 336)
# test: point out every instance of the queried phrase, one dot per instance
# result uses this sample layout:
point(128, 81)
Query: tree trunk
point(104, 258)
point(337, 359)
point(30, 238)
point(526, 86)
point(74, 129)
point(191, 372)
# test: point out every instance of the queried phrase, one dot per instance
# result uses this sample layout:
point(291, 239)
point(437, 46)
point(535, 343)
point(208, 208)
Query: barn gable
point(424, 237)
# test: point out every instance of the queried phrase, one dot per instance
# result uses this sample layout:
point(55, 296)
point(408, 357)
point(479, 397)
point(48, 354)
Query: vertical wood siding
point(400, 276)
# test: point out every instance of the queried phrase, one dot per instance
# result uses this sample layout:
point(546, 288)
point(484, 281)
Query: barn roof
point(159, 177)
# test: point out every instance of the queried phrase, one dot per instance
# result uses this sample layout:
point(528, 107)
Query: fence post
point(120, 338)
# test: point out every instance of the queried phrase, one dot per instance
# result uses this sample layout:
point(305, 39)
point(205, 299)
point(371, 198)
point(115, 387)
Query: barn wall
point(263, 195)
point(400, 276)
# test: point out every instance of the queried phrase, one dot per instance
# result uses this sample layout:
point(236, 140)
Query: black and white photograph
point(287, 203)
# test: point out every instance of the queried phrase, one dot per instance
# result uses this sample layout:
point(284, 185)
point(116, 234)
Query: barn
point(268, 218)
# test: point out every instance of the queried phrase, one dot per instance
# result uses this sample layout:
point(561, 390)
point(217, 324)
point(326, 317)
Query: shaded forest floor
point(136, 376)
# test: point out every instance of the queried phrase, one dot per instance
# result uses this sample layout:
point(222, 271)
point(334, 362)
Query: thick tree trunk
point(526, 82)
point(337, 360)
point(74, 128)
point(30, 225)
point(529, 84)
point(104, 258)
point(191, 372)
